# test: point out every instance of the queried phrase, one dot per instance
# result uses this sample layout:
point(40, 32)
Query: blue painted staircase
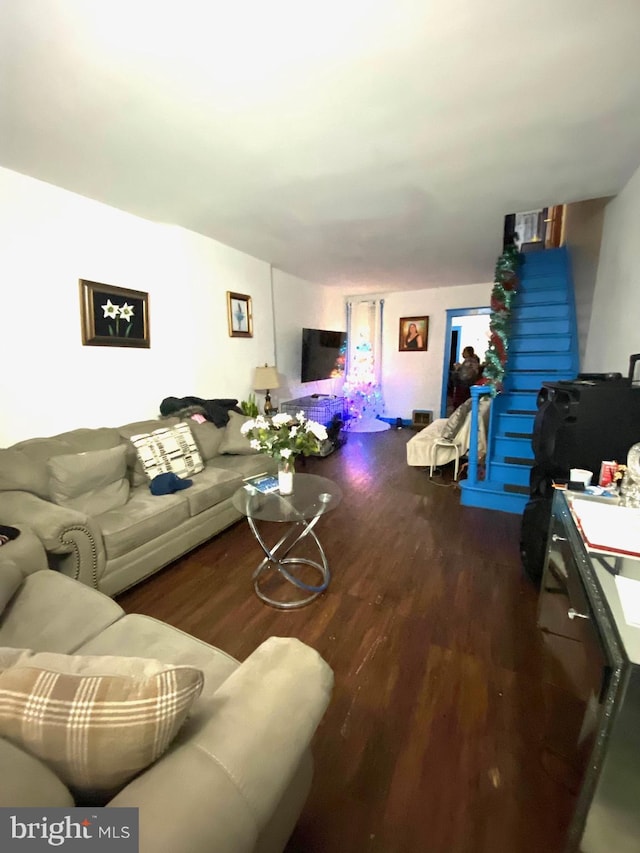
point(543, 347)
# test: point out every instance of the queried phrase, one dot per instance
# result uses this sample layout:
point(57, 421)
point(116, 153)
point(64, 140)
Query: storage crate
point(320, 409)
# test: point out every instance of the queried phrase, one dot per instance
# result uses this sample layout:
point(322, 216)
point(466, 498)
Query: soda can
point(607, 471)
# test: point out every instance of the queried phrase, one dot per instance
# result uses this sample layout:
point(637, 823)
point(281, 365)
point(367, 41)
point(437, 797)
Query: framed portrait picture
point(239, 315)
point(113, 316)
point(414, 334)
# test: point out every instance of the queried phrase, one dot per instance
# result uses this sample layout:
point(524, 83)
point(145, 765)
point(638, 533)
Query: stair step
point(538, 311)
point(515, 489)
point(513, 447)
point(540, 361)
point(540, 325)
point(490, 496)
point(542, 297)
point(503, 472)
point(539, 343)
point(548, 280)
point(540, 260)
point(519, 460)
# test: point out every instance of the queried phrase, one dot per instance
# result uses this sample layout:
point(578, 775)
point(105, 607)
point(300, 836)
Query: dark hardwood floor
point(440, 734)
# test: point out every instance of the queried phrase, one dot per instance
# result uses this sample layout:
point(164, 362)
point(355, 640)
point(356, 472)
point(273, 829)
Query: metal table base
point(279, 563)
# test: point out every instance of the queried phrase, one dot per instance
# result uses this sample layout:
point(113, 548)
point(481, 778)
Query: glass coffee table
point(312, 497)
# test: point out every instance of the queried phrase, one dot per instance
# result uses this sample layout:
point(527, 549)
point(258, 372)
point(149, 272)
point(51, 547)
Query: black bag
point(533, 537)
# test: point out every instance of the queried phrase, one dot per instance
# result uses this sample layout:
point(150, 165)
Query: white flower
point(126, 312)
point(301, 417)
point(246, 427)
point(317, 429)
point(285, 453)
point(110, 310)
point(280, 419)
point(255, 444)
point(293, 431)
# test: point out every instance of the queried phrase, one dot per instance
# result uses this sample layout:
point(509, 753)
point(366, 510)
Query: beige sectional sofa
point(86, 495)
point(234, 777)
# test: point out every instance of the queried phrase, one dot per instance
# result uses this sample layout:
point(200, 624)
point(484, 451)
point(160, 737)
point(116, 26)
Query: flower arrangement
point(284, 436)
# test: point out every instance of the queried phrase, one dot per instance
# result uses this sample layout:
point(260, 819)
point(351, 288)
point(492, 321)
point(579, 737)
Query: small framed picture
point(414, 334)
point(239, 315)
point(113, 316)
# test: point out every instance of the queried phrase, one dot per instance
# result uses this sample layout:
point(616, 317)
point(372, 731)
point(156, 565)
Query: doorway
point(465, 327)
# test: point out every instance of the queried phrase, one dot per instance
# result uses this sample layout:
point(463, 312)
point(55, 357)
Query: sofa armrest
point(219, 787)
point(26, 551)
point(68, 533)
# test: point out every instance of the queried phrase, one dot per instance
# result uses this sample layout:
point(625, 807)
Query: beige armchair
point(448, 439)
point(235, 777)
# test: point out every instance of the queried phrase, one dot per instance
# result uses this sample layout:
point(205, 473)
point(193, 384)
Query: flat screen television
point(324, 354)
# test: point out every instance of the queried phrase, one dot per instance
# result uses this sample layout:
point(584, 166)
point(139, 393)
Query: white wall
point(583, 236)
point(614, 331)
point(413, 380)
point(474, 332)
point(50, 382)
point(297, 305)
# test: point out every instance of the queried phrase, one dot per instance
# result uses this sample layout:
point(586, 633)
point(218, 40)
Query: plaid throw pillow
point(168, 450)
point(96, 721)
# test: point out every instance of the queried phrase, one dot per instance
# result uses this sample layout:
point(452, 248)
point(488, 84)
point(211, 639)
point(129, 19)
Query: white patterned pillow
point(168, 450)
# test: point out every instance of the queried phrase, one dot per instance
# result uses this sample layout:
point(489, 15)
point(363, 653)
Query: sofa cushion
point(19, 472)
point(210, 487)
point(168, 450)
point(92, 482)
point(55, 613)
point(10, 580)
point(233, 440)
point(144, 636)
point(27, 781)
point(143, 518)
point(96, 721)
point(87, 438)
point(246, 466)
point(208, 438)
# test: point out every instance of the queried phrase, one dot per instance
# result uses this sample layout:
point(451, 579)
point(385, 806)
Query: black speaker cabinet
point(580, 423)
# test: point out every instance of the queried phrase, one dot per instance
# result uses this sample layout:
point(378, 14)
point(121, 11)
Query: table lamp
point(266, 379)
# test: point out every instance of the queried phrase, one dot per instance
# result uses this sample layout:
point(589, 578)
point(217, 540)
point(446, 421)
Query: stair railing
point(477, 392)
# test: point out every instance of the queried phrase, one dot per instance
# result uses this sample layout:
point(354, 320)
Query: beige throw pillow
point(233, 440)
point(92, 482)
point(96, 721)
point(168, 450)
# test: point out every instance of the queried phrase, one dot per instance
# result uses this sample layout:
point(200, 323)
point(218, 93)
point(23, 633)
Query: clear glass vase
point(630, 486)
point(286, 470)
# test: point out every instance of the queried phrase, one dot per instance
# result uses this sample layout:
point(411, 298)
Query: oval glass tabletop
point(312, 496)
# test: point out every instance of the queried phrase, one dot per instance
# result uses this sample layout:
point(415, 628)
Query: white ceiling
point(372, 143)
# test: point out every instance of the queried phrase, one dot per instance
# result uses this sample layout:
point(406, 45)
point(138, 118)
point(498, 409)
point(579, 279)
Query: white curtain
point(363, 385)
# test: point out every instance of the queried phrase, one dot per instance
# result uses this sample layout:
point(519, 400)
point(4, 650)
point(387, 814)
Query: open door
point(465, 327)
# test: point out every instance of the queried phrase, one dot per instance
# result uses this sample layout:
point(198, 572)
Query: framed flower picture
point(113, 316)
point(239, 315)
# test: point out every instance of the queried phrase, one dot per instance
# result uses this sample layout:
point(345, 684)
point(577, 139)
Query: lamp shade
point(265, 378)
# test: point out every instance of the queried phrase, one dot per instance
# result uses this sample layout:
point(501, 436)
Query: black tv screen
point(323, 354)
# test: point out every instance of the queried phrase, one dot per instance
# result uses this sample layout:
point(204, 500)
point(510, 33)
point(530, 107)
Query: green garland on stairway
point(504, 289)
